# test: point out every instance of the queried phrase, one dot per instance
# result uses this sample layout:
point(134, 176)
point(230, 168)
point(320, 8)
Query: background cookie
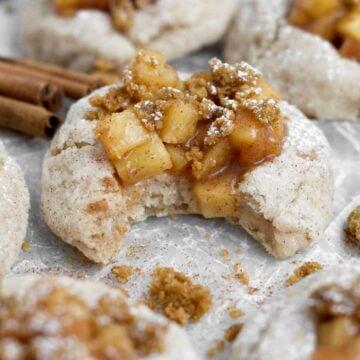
point(173, 27)
point(308, 71)
point(14, 207)
point(285, 327)
point(59, 317)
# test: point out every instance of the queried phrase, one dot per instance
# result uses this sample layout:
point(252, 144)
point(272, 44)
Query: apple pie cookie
point(76, 33)
point(316, 319)
point(309, 49)
point(46, 317)
point(218, 143)
point(14, 207)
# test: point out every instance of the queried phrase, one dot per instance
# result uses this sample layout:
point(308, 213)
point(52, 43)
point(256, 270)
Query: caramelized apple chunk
point(216, 196)
point(209, 129)
point(179, 121)
point(338, 322)
point(143, 162)
point(120, 133)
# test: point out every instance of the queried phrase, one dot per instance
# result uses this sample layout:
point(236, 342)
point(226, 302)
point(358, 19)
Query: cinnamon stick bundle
point(93, 81)
point(27, 118)
point(35, 91)
point(72, 89)
point(31, 92)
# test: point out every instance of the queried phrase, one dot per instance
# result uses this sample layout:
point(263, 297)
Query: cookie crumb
point(235, 313)
point(176, 295)
point(243, 277)
point(25, 246)
point(303, 271)
point(225, 254)
point(232, 332)
point(218, 348)
point(123, 273)
point(207, 236)
point(353, 226)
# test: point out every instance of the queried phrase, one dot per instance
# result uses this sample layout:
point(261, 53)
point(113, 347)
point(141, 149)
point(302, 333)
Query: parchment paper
point(189, 244)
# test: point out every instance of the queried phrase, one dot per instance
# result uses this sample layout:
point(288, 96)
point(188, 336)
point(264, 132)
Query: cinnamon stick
point(35, 91)
point(72, 89)
point(91, 80)
point(27, 118)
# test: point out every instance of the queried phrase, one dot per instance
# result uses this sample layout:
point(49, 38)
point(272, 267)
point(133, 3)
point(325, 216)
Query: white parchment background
point(188, 243)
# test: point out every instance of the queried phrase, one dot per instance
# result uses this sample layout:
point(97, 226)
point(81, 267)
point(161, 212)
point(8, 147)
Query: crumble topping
point(123, 272)
point(176, 295)
point(210, 128)
point(303, 271)
point(51, 321)
point(353, 227)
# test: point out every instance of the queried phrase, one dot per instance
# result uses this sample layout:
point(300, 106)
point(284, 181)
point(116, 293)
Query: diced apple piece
point(120, 133)
point(214, 160)
point(178, 158)
point(304, 11)
point(349, 25)
point(150, 69)
point(143, 162)
point(215, 197)
point(337, 332)
point(179, 121)
point(351, 49)
point(254, 140)
point(267, 90)
point(324, 27)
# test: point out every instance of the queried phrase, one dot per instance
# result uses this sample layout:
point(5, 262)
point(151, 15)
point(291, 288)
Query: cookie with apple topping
point(309, 49)
point(44, 317)
point(219, 143)
point(77, 33)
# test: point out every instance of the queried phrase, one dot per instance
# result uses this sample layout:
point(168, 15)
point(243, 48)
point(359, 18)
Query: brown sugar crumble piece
point(25, 246)
point(303, 271)
point(176, 295)
point(232, 332)
point(123, 273)
point(235, 313)
point(225, 254)
point(353, 225)
point(243, 277)
point(218, 348)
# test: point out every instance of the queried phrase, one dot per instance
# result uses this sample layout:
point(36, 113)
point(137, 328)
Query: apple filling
point(121, 11)
point(210, 128)
point(337, 21)
point(338, 323)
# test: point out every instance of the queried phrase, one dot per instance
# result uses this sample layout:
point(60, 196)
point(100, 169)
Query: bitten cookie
point(199, 146)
